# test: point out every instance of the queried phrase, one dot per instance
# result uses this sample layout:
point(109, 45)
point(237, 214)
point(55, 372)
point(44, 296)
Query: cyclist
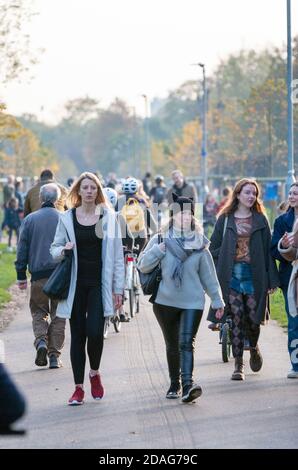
point(127, 237)
point(136, 213)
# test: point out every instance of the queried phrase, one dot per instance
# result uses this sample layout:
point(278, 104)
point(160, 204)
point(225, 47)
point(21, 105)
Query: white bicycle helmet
point(130, 186)
point(111, 195)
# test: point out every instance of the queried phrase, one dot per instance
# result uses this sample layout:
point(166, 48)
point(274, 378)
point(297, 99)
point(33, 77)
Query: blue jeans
point(292, 334)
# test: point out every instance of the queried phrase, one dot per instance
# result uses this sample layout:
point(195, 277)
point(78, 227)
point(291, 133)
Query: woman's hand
point(162, 246)
point(219, 313)
point(68, 246)
point(287, 240)
point(117, 300)
point(22, 284)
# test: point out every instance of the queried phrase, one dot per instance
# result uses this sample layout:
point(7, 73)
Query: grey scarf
point(176, 247)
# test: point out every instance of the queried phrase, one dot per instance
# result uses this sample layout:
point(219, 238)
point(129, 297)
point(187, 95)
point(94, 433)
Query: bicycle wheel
point(132, 303)
point(137, 303)
point(225, 343)
point(117, 323)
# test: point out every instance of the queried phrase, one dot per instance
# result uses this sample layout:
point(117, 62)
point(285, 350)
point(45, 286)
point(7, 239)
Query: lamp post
point(136, 166)
point(148, 152)
point(204, 126)
point(204, 136)
point(291, 171)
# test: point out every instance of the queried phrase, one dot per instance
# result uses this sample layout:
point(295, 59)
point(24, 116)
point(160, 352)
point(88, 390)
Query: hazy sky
point(126, 48)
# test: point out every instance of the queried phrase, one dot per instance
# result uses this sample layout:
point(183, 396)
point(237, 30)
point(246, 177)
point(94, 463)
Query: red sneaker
point(97, 390)
point(77, 398)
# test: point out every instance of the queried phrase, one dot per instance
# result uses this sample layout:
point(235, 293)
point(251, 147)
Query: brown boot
point(256, 360)
point(238, 373)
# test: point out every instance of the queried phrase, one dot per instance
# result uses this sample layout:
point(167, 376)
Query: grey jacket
point(199, 276)
point(113, 275)
point(36, 235)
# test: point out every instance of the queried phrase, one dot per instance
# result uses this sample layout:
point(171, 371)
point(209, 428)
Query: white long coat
point(112, 280)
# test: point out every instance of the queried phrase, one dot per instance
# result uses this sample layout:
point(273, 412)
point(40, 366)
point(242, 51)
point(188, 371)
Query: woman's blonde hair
point(232, 204)
point(74, 199)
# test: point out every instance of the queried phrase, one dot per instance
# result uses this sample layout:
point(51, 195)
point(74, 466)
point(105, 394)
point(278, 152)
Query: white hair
point(49, 193)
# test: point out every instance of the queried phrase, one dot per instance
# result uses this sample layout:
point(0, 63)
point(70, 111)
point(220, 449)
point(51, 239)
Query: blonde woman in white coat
point(90, 229)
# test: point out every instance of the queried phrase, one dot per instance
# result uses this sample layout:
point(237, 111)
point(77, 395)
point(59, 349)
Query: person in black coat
point(240, 246)
point(283, 225)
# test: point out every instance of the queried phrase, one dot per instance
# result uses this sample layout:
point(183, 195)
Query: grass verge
point(277, 308)
point(7, 273)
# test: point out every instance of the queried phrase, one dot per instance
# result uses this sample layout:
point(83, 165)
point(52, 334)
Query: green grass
point(7, 273)
point(277, 308)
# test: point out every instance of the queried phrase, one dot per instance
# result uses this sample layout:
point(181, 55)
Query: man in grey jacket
point(36, 235)
point(181, 188)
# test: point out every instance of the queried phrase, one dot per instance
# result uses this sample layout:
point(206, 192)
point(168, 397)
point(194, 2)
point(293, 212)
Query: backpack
point(133, 215)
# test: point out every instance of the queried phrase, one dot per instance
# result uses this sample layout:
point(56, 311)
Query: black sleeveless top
point(89, 248)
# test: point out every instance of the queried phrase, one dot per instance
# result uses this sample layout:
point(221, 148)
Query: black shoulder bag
point(150, 281)
point(57, 286)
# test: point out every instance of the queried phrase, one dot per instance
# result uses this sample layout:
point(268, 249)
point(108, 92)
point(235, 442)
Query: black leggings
point(86, 323)
point(179, 328)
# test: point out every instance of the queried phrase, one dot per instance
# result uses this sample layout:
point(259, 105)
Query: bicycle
point(132, 281)
point(116, 322)
point(225, 339)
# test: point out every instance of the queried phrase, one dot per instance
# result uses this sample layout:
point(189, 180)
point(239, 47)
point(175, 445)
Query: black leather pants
point(179, 328)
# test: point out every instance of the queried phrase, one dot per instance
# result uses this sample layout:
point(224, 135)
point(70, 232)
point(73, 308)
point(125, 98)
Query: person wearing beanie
point(187, 273)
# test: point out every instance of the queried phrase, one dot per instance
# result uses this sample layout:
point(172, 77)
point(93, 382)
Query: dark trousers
point(86, 325)
point(10, 233)
point(179, 328)
point(12, 403)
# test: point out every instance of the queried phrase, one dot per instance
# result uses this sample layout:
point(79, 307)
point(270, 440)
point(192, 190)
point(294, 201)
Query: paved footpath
point(261, 412)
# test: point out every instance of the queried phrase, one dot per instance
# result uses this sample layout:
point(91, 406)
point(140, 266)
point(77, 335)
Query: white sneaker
point(292, 374)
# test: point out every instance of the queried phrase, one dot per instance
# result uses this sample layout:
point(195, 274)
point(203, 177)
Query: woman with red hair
point(240, 246)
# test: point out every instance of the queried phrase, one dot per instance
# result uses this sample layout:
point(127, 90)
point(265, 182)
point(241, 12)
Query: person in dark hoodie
point(181, 188)
point(188, 272)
